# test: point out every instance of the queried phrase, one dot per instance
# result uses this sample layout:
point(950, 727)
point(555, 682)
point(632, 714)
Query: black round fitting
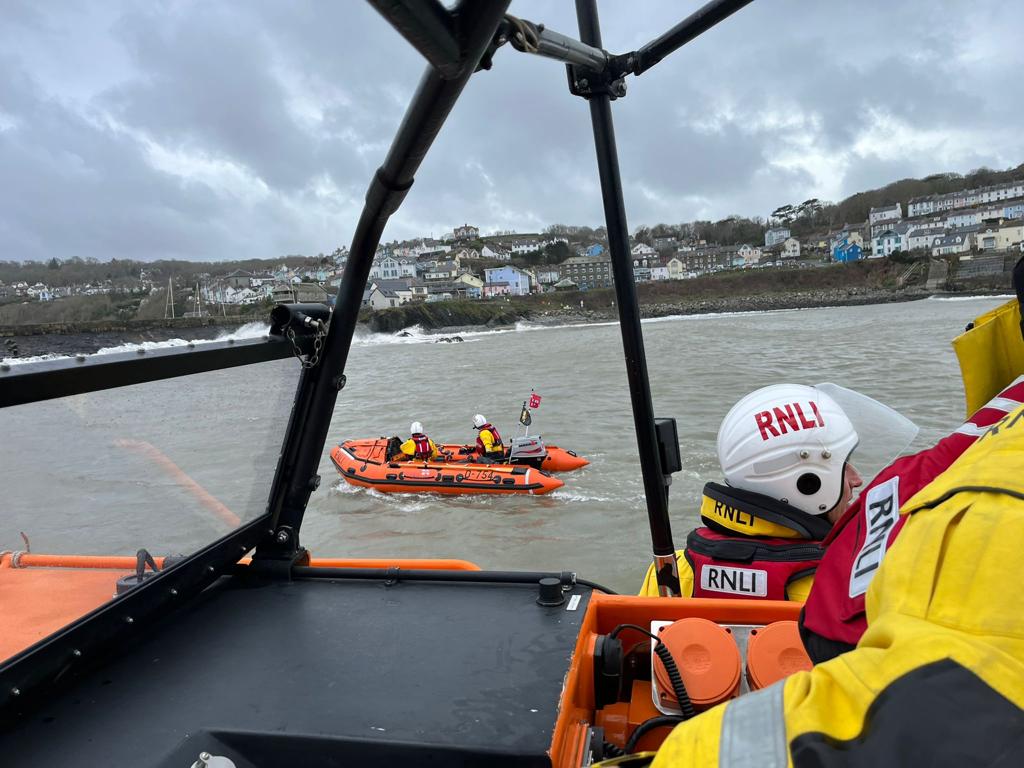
point(550, 590)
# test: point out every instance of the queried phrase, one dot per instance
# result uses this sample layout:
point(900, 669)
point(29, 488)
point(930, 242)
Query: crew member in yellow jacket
point(938, 678)
point(785, 454)
point(418, 447)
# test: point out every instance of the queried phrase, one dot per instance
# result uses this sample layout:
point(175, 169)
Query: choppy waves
point(247, 331)
point(981, 297)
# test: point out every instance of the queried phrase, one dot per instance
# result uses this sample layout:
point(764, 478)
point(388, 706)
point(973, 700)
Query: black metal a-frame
point(456, 44)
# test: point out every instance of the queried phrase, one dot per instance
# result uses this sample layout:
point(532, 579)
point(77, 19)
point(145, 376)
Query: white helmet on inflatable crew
point(416, 428)
point(479, 420)
point(789, 442)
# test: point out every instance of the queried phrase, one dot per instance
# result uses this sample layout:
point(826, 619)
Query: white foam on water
point(982, 297)
point(247, 331)
point(403, 502)
point(414, 334)
point(574, 496)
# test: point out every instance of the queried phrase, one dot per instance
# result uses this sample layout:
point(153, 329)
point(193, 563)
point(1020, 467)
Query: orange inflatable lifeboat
point(363, 463)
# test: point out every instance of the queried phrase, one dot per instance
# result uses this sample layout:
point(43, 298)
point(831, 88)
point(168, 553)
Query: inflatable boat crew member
point(784, 451)
point(488, 441)
point(419, 447)
point(991, 356)
point(938, 676)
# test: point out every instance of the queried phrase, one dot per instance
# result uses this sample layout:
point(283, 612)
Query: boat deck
point(321, 672)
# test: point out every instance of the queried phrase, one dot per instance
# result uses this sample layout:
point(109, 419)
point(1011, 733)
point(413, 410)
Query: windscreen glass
point(167, 466)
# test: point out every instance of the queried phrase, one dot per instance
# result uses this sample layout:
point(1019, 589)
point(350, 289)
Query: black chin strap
point(814, 527)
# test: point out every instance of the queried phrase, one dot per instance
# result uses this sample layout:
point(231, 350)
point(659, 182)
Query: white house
point(387, 268)
point(959, 242)
point(924, 238)
point(496, 252)
point(429, 245)
point(642, 249)
point(382, 298)
point(548, 275)
point(791, 248)
point(959, 219)
point(776, 235)
point(659, 272)
point(524, 246)
point(886, 243)
point(885, 213)
point(466, 232)
point(444, 270)
point(921, 206)
point(751, 254)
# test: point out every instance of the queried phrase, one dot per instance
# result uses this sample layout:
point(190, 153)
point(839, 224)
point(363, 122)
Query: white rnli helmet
point(479, 420)
point(788, 442)
point(416, 428)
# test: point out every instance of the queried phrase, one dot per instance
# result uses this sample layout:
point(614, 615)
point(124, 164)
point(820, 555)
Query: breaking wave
point(247, 331)
point(980, 297)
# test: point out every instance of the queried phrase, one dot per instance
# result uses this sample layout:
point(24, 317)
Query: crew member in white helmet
point(419, 447)
point(785, 454)
point(488, 441)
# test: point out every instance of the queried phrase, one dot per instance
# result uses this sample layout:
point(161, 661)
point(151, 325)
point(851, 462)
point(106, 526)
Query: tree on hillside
point(556, 253)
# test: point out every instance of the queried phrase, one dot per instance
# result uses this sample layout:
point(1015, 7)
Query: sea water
point(223, 431)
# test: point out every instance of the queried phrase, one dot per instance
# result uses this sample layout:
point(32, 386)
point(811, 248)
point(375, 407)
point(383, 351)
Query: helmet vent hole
point(808, 484)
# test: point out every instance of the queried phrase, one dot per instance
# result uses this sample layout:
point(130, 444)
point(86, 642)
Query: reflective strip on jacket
point(938, 678)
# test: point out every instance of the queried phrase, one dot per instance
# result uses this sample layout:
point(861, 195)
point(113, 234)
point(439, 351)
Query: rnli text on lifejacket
point(789, 418)
point(737, 516)
point(880, 514)
point(734, 581)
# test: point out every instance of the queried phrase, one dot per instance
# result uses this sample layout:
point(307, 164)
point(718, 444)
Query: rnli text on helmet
point(792, 417)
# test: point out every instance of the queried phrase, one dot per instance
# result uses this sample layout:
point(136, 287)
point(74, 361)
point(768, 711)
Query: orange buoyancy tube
point(361, 463)
point(557, 460)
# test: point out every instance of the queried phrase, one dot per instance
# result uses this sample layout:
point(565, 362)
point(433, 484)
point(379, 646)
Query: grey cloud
point(306, 95)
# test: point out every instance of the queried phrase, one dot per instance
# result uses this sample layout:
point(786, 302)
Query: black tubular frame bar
point(473, 27)
point(430, 106)
point(655, 493)
point(22, 383)
point(694, 25)
point(429, 28)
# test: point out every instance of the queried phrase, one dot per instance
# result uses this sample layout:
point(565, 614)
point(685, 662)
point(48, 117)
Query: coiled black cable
point(610, 750)
point(678, 687)
point(650, 725)
point(685, 705)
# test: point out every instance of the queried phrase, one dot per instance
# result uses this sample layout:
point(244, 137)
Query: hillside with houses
point(969, 231)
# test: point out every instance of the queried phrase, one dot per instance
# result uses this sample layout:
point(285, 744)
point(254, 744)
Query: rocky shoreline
point(35, 344)
point(761, 303)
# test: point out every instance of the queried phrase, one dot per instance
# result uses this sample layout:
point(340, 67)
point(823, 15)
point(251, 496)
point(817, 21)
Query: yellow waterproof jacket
point(409, 448)
point(798, 589)
point(938, 678)
point(487, 439)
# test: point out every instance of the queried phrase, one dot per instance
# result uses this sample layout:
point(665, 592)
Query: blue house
point(846, 252)
point(517, 281)
point(847, 245)
point(595, 250)
point(1014, 211)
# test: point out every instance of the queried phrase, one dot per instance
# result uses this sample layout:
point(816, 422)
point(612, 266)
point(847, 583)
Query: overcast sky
point(210, 130)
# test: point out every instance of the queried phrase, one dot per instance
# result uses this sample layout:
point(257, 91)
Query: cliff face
point(443, 315)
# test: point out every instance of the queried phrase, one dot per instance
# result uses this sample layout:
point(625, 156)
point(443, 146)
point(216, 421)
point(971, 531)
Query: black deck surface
point(325, 673)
